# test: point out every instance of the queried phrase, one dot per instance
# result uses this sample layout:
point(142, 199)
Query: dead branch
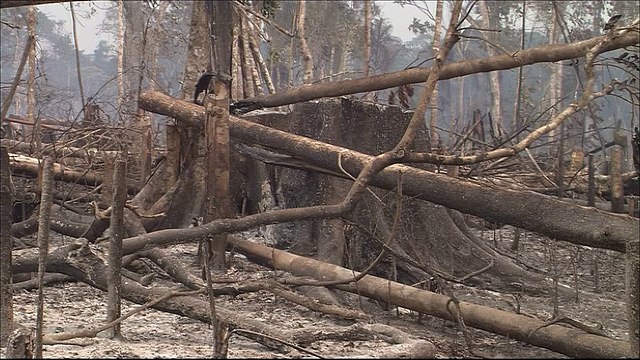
point(29, 166)
point(539, 54)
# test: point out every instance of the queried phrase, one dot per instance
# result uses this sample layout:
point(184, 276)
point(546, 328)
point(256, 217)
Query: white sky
point(88, 37)
point(401, 18)
point(86, 26)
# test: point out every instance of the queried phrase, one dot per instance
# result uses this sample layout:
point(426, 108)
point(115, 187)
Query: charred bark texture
point(6, 214)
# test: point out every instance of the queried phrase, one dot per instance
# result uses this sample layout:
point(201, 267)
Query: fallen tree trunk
point(59, 151)
point(539, 54)
point(571, 342)
point(21, 164)
point(553, 218)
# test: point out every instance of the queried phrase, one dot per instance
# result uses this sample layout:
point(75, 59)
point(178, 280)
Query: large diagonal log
point(26, 165)
point(538, 54)
point(523, 209)
point(568, 341)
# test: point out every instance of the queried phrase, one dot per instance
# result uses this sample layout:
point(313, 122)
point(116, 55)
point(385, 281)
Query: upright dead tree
point(367, 37)
point(120, 54)
point(114, 257)
point(217, 203)
point(490, 21)
point(77, 51)
point(307, 59)
point(35, 140)
point(434, 99)
point(44, 220)
point(6, 213)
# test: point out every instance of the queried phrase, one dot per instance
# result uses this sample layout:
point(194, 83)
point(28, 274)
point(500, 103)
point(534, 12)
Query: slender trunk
point(248, 67)
point(75, 41)
point(307, 59)
point(519, 92)
point(16, 62)
point(494, 76)
point(120, 53)
point(236, 67)
point(434, 98)
point(554, 81)
point(290, 68)
point(257, 56)
point(155, 45)
point(114, 256)
point(367, 37)
point(44, 222)
point(36, 141)
point(6, 214)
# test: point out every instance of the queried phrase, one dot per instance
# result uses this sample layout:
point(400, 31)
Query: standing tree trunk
point(248, 66)
point(120, 55)
point(133, 57)
point(35, 140)
point(114, 257)
point(491, 22)
point(236, 61)
point(217, 197)
point(255, 49)
point(367, 37)
point(555, 79)
point(6, 214)
point(189, 187)
point(155, 40)
point(44, 222)
point(434, 99)
point(307, 59)
point(77, 51)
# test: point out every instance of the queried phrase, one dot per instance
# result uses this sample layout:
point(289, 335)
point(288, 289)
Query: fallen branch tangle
point(79, 262)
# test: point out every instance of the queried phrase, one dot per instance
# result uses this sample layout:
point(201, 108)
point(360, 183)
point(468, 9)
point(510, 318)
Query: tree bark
point(120, 54)
point(489, 22)
point(367, 38)
point(114, 256)
point(44, 218)
point(632, 279)
point(6, 215)
point(307, 59)
point(35, 139)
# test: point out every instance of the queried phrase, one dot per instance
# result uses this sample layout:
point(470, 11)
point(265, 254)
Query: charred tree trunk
point(6, 213)
point(449, 248)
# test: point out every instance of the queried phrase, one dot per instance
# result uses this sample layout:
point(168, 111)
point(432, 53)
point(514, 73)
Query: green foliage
point(269, 7)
